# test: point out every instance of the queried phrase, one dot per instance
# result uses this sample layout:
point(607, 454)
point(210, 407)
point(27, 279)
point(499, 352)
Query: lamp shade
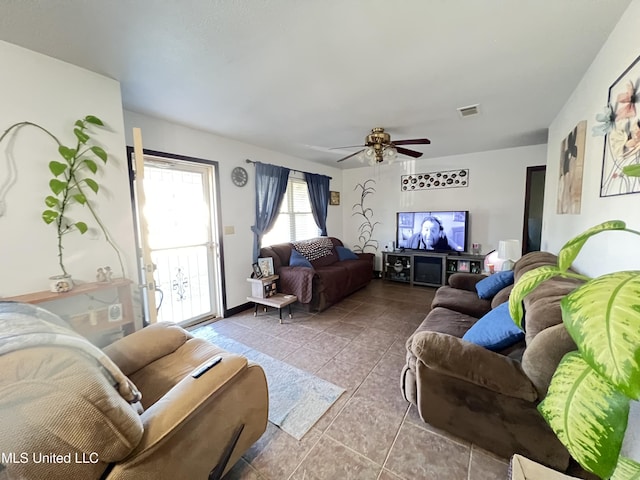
point(509, 249)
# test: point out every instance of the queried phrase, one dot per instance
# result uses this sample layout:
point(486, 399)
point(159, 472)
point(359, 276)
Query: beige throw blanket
point(25, 326)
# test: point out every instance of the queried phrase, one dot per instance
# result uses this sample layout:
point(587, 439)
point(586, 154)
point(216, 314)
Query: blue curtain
point(271, 185)
point(318, 186)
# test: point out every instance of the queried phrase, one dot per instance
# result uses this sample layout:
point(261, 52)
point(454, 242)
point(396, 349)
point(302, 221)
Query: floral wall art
point(620, 123)
point(571, 168)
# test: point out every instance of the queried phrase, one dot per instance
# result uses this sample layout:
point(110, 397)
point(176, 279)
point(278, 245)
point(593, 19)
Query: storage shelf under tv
point(431, 269)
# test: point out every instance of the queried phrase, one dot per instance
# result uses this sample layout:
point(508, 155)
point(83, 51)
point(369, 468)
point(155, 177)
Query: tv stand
point(427, 268)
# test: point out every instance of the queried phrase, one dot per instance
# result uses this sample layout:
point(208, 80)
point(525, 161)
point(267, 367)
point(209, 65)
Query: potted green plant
point(588, 401)
point(73, 175)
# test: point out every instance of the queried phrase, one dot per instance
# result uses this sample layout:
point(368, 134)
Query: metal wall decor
point(435, 180)
point(365, 230)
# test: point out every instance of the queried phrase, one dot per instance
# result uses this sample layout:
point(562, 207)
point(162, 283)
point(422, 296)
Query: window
point(295, 220)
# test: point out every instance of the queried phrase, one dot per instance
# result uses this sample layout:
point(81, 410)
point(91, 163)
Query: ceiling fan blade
point(352, 155)
point(415, 141)
point(410, 153)
point(348, 146)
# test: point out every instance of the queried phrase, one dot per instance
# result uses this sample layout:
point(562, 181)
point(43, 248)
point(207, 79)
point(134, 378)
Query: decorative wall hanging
point(365, 230)
point(620, 123)
point(334, 198)
point(435, 180)
point(571, 168)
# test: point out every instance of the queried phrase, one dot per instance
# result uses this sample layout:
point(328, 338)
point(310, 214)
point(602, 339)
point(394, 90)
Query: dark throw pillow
point(495, 331)
point(491, 285)
point(345, 254)
point(298, 260)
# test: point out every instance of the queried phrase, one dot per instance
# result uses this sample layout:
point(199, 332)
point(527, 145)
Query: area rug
point(297, 399)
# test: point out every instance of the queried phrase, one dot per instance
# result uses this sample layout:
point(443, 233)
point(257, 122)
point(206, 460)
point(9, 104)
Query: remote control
point(207, 366)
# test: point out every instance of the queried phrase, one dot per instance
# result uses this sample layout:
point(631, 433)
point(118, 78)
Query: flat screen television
point(442, 231)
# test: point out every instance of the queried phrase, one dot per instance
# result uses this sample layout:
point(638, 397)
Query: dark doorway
point(533, 206)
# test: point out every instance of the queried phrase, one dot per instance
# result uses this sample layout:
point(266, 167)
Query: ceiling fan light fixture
point(370, 153)
point(390, 152)
point(378, 148)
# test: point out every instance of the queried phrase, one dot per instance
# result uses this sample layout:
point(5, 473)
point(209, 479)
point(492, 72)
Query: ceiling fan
point(378, 146)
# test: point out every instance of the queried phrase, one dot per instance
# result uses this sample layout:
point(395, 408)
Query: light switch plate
point(115, 312)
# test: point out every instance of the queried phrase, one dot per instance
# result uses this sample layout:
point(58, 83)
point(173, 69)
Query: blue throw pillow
point(345, 254)
point(495, 330)
point(298, 260)
point(488, 287)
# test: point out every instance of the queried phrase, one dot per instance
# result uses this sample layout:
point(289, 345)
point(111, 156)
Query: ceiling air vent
point(469, 111)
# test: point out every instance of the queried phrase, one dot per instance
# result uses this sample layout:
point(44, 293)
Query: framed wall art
point(334, 198)
point(571, 169)
point(621, 124)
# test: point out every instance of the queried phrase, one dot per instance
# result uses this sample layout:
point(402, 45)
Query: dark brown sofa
point(327, 282)
point(490, 398)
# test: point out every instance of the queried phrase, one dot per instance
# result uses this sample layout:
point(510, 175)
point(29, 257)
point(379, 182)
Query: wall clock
point(239, 176)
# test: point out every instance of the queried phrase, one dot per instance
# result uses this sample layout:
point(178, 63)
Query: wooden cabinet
point(264, 287)
point(431, 269)
point(99, 325)
point(396, 267)
point(464, 264)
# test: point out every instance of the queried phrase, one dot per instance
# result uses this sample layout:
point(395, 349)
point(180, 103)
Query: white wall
point(494, 197)
point(55, 94)
point(610, 251)
point(238, 203)
point(613, 250)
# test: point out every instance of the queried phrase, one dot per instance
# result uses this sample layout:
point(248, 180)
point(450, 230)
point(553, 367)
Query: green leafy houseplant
point(73, 173)
point(588, 401)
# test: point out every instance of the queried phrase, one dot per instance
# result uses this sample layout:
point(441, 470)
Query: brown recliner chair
point(63, 412)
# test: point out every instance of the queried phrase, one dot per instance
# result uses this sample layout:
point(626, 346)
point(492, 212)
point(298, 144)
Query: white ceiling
point(301, 76)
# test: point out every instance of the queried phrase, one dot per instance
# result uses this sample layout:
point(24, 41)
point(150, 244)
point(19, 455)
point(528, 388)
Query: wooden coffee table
point(278, 301)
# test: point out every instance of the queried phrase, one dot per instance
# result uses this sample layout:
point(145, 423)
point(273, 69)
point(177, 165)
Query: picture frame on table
point(266, 266)
point(257, 272)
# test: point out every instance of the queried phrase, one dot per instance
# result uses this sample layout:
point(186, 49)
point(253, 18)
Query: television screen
point(438, 231)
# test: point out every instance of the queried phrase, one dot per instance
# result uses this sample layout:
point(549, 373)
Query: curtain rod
point(292, 169)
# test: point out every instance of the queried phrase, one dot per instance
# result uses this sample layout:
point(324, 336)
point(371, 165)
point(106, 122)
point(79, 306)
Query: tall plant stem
point(107, 237)
point(23, 124)
point(61, 228)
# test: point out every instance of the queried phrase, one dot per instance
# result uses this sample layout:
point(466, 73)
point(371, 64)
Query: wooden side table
point(278, 301)
point(98, 330)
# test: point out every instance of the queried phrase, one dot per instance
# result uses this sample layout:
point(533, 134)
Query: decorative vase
point(60, 283)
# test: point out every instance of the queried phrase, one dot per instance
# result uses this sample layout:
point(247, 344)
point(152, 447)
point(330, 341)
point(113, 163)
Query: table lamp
point(509, 251)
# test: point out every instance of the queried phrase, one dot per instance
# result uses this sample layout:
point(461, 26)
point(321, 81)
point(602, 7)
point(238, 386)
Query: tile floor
point(370, 432)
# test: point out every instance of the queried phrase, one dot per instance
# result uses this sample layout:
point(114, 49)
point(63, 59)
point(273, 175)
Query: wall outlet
point(93, 317)
point(114, 312)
